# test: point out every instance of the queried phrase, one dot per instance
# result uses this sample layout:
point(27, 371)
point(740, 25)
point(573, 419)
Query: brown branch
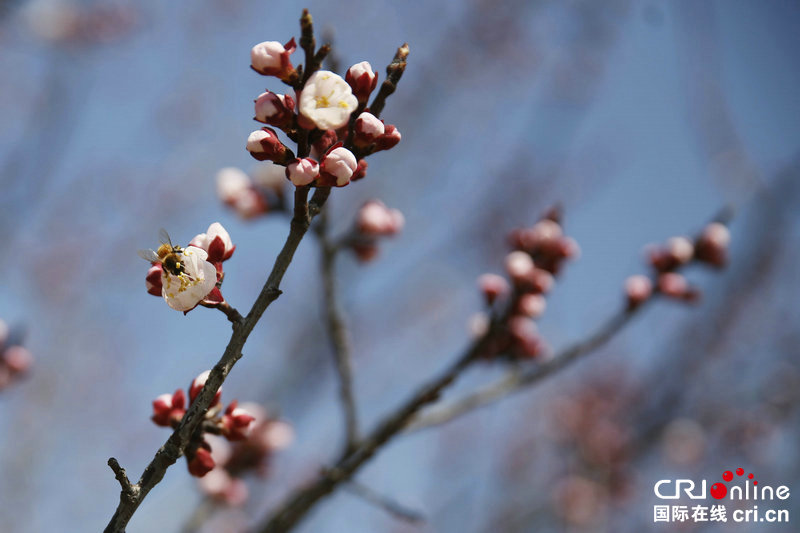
point(171, 451)
point(393, 73)
point(384, 503)
point(337, 332)
point(299, 503)
point(518, 379)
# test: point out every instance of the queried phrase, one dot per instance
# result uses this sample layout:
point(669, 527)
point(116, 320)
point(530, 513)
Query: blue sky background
point(641, 118)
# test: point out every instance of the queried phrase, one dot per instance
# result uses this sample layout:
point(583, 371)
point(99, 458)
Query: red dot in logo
point(755, 482)
point(727, 475)
point(750, 476)
point(740, 471)
point(718, 490)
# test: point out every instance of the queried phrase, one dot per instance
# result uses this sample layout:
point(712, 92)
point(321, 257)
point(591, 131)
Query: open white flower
point(327, 100)
point(184, 292)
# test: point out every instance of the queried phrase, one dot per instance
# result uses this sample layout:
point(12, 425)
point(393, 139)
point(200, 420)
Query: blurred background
point(641, 118)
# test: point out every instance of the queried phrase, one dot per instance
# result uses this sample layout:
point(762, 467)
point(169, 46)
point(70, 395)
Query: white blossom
point(184, 291)
point(327, 100)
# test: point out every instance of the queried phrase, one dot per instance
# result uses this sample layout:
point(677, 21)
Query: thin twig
point(337, 332)
point(171, 451)
point(299, 503)
point(518, 379)
point(385, 503)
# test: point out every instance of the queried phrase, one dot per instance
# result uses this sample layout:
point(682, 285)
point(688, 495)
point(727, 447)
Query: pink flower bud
point(525, 335)
point(362, 80)
point(532, 305)
point(367, 129)
point(365, 251)
point(236, 422)
point(302, 171)
point(712, 246)
point(153, 280)
point(169, 408)
point(197, 385)
point(231, 182)
point(375, 219)
point(200, 462)
point(216, 242)
point(162, 409)
point(361, 170)
point(540, 281)
point(250, 204)
point(569, 248)
point(271, 58)
point(391, 136)
point(337, 168)
point(673, 285)
point(659, 258)
point(18, 359)
point(275, 109)
point(519, 266)
point(219, 485)
point(264, 145)
point(493, 287)
point(543, 234)
point(680, 249)
point(638, 289)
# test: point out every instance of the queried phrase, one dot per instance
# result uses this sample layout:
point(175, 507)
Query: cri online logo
point(720, 490)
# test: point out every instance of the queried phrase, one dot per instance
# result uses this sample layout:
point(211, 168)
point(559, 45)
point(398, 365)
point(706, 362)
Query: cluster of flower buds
point(15, 359)
point(191, 276)
point(233, 423)
point(253, 195)
point(710, 247)
point(373, 221)
point(252, 454)
point(539, 253)
point(327, 113)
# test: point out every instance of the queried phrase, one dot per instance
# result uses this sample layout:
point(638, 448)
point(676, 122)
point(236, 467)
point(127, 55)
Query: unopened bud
point(638, 289)
point(361, 170)
point(519, 266)
point(302, 171)
point(153, 279)
point(197, 385)
point(362, 80)
point(493, 287)
point(275, 109)
point(264, 145)
point(712, 246)
point(337, 167)
point(271, 58)
point(367, 129)
point(200, 462)
point(532, 305)
point(680, 249)
point(391, 136)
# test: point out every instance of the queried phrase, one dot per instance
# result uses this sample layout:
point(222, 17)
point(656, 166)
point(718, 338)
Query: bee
point(169, 255)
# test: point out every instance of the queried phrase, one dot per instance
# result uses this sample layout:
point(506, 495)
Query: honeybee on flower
point(167, 254)
point(186, 277)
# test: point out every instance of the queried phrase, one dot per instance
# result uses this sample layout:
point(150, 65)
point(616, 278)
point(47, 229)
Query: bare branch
point(337, 332)
point(171, 451)
point(298, 504)
point(387, 504)
point(517, 378)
